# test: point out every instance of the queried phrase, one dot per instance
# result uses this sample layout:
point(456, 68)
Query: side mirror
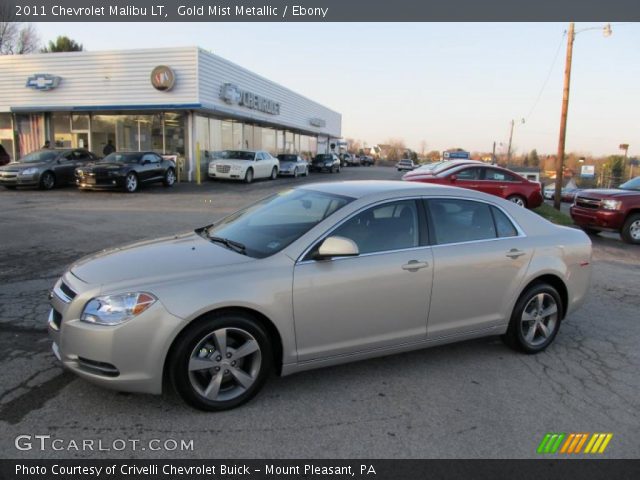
point(453, 178)
point(337, 247)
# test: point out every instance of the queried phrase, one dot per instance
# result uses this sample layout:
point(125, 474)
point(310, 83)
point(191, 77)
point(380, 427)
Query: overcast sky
point(449, 84)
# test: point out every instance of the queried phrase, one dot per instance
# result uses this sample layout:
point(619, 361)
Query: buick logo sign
point(233, 95)
point(43, 81)
point(163, 78)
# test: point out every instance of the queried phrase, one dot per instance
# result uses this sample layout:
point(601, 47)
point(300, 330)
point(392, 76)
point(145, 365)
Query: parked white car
point(244, 165)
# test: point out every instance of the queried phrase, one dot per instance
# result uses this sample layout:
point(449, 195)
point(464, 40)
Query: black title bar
point(317, 10)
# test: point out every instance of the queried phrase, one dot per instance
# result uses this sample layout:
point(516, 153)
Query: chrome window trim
point(521, 233)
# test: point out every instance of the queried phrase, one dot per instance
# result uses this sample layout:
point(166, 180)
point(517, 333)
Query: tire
point(274, 173)
point(248, 176)
point(295, 172)
point(237, 379)
point(525, 318)
point(47, 181)
point(631, 229)
point(169, 177)
point(590, 231)
point(131, 182)
point(338, 171)
point(518, 200)
point(306, 172)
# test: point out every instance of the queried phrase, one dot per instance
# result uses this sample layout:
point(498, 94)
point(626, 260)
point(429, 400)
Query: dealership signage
point(43, 81)
point(588, 171)
point(234, 95)
point(456, 154)
point(163, 78)
point(318, 122)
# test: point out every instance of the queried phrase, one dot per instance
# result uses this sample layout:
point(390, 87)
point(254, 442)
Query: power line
point(546, 80)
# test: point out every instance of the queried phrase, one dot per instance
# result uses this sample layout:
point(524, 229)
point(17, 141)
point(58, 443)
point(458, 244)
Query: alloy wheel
point(48, 181)
point(224, 364)
point(634, 230)
point(131, 182)
point(539, 319)
point(517, 200)
point(170, 177)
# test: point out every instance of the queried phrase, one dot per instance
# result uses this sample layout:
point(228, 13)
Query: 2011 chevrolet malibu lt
point(314, 276)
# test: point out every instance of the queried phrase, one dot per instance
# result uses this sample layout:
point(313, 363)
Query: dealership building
point(175, 101)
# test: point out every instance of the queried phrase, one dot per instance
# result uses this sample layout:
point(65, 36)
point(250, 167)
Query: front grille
point(99, 368)
point(585, 202)
point(9, 175)
point(56, 319)
point(223, 168)
point(67, 291)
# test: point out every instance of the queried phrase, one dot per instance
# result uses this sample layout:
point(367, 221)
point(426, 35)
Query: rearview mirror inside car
point(337, 247)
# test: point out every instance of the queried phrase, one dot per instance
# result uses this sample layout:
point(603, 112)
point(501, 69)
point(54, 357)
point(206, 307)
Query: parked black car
point(326, 162)
point(366, 160)
point(126, 170)
point(45, 168)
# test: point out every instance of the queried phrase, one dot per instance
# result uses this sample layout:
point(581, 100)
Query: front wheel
point(518, 200)
point(169, 178)
point(47, 181)
point(631, 229)
point(535, 320)
point(274, 173)
point(221, 362)
point(248, 177)
point(131, 182)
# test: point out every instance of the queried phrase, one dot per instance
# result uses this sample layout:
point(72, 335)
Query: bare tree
point(16, 38)
point(395, 149)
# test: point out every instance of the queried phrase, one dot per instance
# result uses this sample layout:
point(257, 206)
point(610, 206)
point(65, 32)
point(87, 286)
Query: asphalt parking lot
point(474, 399)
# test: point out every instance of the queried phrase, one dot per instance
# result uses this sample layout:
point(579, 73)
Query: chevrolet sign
point(232, 94)
point(43, 81)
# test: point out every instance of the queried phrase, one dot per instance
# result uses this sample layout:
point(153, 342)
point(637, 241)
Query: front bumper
point(230, 175)
point(128, 357)
point(87, 182)
point(597, 219)
point(17, 180)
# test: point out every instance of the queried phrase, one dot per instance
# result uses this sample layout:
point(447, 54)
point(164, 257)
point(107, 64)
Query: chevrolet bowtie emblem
point(43, 81)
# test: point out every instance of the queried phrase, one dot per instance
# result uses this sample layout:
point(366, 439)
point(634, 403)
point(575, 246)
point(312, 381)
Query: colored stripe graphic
point(573, 443)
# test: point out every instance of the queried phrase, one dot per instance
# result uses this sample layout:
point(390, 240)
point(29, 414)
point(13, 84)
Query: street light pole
point(509, 148)
point(563, 117)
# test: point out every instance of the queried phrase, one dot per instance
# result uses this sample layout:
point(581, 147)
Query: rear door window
point(457, 221)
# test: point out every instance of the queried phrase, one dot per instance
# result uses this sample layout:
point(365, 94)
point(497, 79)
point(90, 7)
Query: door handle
point(515, 253)
point(414, 265)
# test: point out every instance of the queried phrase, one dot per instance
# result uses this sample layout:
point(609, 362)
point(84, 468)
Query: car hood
point(17, 166)
point(324, 160)
point(608, 193)
point(231, 161)
point(154, 260)
point(102, 166)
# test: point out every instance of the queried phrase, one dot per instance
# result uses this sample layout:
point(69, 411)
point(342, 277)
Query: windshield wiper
point(236, 246)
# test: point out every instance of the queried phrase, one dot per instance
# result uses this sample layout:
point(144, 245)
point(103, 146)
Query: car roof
point(364, 188)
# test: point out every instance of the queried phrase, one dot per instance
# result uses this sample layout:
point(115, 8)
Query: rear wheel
point(248, 177)
point(131, 182)
point(631, 229)
point(221, 362)
point(169, 178)
point(535, 319)
point(47, 181)
point(518, 200)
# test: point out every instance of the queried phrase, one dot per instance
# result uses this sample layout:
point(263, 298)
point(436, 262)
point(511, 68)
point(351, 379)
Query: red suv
point(614, 209)
point(488, 179)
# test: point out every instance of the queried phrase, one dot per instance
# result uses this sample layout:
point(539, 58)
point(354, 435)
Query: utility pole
point(493, 154)
point(509, 148)
point(563, 117)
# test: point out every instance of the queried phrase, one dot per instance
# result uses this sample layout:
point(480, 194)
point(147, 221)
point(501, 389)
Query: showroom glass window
point(387, 227)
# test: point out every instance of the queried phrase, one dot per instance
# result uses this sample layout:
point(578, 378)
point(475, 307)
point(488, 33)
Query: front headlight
point(611, 204)
point(236, 168)
point(116, 309)
point(29, 171)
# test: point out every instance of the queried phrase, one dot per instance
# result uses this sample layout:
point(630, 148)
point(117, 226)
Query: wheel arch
point(259, 317)
point(556, 282)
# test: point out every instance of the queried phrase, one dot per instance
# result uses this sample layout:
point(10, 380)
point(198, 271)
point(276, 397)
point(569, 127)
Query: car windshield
point(237, 155)
point(121, 158)
point(268, 226)
point(39, 156)
point(633, 184)
point(287, 158)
